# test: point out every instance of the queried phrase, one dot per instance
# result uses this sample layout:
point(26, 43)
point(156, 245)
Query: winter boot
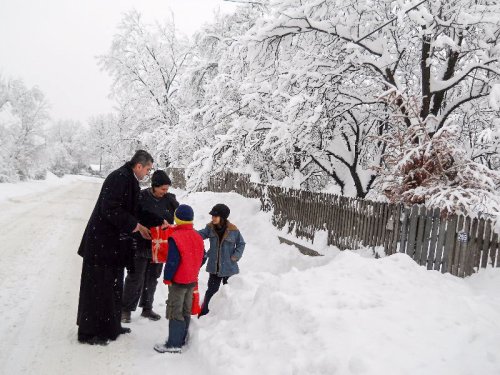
point(124, 330)
point(163, 348)
point(150, 314)
point(204, 307)
point(126, 316)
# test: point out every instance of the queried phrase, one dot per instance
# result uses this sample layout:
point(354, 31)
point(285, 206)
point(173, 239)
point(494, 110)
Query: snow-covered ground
point(286, 313)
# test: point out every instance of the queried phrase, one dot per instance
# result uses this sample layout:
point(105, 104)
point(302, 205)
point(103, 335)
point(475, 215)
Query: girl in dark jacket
point(226, 248)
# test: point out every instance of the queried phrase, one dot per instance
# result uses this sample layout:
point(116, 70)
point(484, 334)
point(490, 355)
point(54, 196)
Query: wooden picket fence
point(456, 244)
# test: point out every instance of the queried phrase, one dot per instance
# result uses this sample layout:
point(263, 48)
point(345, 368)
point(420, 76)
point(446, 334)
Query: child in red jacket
point(185, 256)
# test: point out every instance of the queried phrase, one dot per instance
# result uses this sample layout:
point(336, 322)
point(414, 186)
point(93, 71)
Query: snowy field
point(343, 313)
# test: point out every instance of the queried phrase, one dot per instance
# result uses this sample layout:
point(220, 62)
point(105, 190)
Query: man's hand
point(145, 233)
point(234, 258)
point(165, 225)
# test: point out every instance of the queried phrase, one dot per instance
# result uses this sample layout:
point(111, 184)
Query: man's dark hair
point(141, 157)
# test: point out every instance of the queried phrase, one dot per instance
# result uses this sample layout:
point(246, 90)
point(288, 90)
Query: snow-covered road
point(284, 314)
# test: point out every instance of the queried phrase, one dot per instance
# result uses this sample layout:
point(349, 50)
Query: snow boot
point(124, 330)
point(163, 348)
point(150, 314)
point(126, 316)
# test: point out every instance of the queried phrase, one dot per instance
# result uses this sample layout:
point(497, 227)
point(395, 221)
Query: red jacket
point(191, 250)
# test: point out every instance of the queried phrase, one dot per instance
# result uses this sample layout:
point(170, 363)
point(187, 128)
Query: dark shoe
point(150, 314)
point(204, 310)
point(124, 330)
point(126, 316)
point(94, 340)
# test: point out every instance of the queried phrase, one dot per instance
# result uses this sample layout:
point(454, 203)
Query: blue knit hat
point(184, 214)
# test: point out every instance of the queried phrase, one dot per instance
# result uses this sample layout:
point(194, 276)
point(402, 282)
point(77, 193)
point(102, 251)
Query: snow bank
point(342, 313)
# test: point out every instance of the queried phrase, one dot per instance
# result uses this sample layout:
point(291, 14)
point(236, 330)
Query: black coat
point(152, 212)
point(107, 238)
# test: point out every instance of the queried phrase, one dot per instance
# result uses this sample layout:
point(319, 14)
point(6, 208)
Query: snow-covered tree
point(23, 113)
point(309, 77)
point(145, 62)
point(68, 147)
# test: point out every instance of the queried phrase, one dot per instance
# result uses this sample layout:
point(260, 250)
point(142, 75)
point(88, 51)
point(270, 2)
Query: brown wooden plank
point(350, 223)
point(355, 231)
point(338, 221)
point(364, 224)
point(440, 243)
point(453, 267)
point(412, 231)
point(384, 211)
point(341, 224)
point(486, 243)
point(405, 226)
point(472, 248)
point(378, 224)
point(373, 225)
point(362, 219)
point(433, 238)
point(398, 211)
point(424, 250)
point(494, 249)
point(389, 228)
point(376, 228)
point(464, 247)
point(422, 215)
point(479, 243)
point(449, 244)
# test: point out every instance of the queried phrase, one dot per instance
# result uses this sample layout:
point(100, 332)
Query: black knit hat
point(160, 178)
point(221, 210)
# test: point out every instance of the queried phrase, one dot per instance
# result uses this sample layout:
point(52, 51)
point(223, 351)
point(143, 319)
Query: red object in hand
point(195, 306)
point(159, 243)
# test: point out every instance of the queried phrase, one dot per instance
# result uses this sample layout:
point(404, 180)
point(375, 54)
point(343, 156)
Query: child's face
point(215, 220)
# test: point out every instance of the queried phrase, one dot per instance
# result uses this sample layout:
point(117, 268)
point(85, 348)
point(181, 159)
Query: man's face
point(215, 220)
point(142, 171)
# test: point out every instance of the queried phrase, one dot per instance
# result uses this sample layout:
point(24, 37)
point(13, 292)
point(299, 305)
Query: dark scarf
point(220, 230)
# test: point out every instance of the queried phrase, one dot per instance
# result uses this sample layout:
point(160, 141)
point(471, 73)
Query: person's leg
point(213, 287)
point(118, 294)
point(176, 324)
point(188, 302)
point(99, 309)
point(134, 283)
point(153, 271)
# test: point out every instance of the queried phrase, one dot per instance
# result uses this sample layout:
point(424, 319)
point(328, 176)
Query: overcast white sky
point(53, 43)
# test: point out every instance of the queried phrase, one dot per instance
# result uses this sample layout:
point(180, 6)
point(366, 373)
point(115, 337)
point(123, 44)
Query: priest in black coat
point(107, 247)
